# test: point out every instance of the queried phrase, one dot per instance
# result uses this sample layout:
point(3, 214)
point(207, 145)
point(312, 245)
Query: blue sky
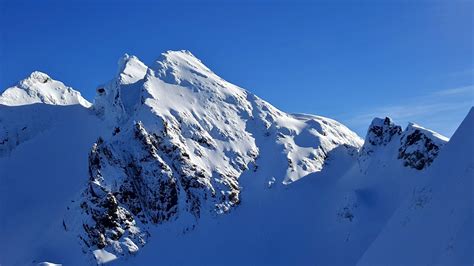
point(348, 60)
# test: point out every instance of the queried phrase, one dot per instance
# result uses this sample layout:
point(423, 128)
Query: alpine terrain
point(173, 165)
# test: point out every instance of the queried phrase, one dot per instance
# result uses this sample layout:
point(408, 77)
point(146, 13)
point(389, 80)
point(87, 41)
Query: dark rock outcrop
point(416, 147)
point(419, 147)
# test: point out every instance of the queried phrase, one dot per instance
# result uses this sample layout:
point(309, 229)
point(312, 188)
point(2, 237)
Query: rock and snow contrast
point(174, 165)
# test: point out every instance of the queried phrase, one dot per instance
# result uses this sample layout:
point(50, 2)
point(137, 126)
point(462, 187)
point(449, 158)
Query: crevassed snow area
point(173, 165)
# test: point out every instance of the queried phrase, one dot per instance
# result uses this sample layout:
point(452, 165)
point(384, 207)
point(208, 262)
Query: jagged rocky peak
point(417, 147)
point(40, 88)
point(420, 146)
point(381, 131)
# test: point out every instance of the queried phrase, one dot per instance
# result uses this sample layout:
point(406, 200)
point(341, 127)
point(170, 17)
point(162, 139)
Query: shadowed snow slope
point(39, 176)
point(174, 164)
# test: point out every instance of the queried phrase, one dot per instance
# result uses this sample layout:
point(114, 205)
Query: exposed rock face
point(138, 178)
point(419, 147)
point(382, 131)
point(416, 147)
point(111, 224)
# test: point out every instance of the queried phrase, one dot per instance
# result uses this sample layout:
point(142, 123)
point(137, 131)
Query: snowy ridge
point(171, 159)
point(40, 88)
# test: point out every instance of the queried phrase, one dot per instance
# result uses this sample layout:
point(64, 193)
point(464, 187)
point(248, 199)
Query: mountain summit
point(171, 159)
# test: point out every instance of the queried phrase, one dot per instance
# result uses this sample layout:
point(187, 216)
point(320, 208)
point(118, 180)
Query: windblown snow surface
point(172, 165)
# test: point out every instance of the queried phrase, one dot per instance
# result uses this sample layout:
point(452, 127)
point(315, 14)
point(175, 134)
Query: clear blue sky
point(342, 59)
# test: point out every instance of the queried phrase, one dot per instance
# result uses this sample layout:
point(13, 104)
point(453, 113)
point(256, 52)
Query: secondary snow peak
point(38, 87)
point(130, 69)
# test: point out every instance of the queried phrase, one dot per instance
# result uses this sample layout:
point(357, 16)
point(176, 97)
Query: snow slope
point(171, 159)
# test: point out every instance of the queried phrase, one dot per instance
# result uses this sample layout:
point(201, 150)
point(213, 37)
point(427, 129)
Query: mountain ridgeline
point(173, 145)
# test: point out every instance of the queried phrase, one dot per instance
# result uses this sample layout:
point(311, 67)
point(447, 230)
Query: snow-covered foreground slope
point(174, 164)
point(38, 178)
point(433, 226)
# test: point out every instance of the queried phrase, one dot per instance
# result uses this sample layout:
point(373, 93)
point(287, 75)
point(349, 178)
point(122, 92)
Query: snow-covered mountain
point(172, 160)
